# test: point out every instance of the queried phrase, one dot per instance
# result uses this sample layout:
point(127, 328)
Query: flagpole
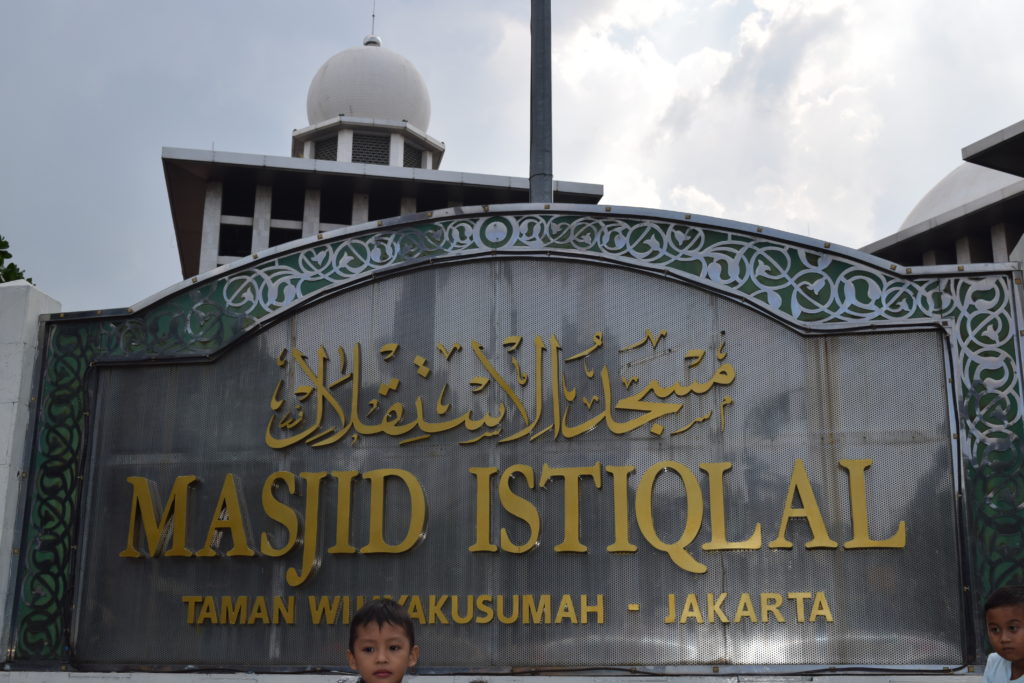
point(541, 178)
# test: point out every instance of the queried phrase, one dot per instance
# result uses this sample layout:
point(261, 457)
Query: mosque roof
point(369, 82)
point(964, 186)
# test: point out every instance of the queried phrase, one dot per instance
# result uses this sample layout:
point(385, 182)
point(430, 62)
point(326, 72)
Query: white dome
point(963, 185)
point(369, 82)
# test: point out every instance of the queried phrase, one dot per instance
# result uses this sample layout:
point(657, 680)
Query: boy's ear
point(351, 659)
point(414, 654)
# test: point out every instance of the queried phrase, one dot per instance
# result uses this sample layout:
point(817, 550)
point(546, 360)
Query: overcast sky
point(823, 118)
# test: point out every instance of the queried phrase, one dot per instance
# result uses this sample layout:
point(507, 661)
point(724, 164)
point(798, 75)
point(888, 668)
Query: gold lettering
point(694, 513)
point(799, 599)
point(310, 537)
point(208, 612)
point(799, 483)
point(483, 606)
point(436, 606)
point(859, 511)
point(504, 618)
point(620, 499)
point(536, 612)
point(417, 511)
point(820, 607)
point(691, 610)
point(715, 608)
point(716, 505)
point(227, 516)
point(259, 611)
point(284, 610)
point(770, 603)
point(745, 609)
point(234, 611)
point(459, 618)
point(519, 507)
point(415, 609)
point(566, 611)
point(280, 513)
point(670, 615)
point(483, 542)
point(597, 609)
point(571, 499)
point(323, 608)
point(191, 601)
point(143, 494)
point(342, 542)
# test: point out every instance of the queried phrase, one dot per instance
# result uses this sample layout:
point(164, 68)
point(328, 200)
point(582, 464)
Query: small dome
point(369, 82)
point(963, 185)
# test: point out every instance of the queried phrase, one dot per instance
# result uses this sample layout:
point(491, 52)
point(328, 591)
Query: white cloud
point(826, 117)
point(692, 200)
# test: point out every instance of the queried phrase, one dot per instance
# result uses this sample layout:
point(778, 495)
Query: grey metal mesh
point(326, 149)
point(371, 149)
point(412, 156)
point(819, 399)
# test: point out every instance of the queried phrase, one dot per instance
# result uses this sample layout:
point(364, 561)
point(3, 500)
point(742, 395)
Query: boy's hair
point(380, 611)
point(1007, 596)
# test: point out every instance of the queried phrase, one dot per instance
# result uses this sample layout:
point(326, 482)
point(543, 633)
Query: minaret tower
point(368, 105)
point(365, 157)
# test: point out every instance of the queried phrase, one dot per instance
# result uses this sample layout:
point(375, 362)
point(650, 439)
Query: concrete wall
point(21, 304)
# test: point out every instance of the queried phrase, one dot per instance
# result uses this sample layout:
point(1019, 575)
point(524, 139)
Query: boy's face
point(1006, 633)
point(382, 653)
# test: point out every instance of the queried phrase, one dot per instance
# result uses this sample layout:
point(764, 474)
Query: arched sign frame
point(808, 284)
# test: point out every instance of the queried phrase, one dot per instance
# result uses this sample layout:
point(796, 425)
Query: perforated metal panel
point(326, 149)
point(371, 149)
point(816, 400)
point(412, 157)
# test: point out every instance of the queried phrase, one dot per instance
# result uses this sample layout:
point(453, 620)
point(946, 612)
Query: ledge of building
point(1002, 150)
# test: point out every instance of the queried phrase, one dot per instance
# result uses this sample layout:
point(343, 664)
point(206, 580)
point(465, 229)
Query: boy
point(1004, 619)
point(381, 642)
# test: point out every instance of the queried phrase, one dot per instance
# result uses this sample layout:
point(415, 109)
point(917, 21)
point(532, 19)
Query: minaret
point(368, 105)
point(365, 157)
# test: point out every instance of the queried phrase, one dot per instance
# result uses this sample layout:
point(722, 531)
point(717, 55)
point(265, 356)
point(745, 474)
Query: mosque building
point(819, 362)
point(973, 215)
point(364, 156)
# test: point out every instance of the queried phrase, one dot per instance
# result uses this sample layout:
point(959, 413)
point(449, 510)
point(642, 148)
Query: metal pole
point(541, 178)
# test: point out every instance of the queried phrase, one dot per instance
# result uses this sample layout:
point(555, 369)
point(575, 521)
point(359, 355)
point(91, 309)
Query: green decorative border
point(788, 277)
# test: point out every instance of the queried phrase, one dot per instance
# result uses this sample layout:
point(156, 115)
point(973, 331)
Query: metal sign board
point(561, 439)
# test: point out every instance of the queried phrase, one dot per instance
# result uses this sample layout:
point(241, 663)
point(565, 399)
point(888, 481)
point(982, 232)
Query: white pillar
point(396, 157)
point(209, 245)
point(928, 258)
point(261, 218)
point(428, 158)
point(963, 250)
point(21, 304)
point(1000, 250)
point(408, 206)
point(1017, 252)
point(360, 208)
point(311, 212)
point(309, 149)
point(345, 145)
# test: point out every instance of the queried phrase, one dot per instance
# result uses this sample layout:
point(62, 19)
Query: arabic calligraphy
point(555, 394)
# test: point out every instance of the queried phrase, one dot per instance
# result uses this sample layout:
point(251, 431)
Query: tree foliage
point(9, 272)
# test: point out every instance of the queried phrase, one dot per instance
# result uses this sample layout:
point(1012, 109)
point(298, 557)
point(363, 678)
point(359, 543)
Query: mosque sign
point(559, 438)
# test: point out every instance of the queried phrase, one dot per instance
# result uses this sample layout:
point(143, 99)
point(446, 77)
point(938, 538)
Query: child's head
point(1004, 621)
point(381, 642)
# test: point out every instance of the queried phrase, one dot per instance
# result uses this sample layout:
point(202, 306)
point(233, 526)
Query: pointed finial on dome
point(372, 40)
